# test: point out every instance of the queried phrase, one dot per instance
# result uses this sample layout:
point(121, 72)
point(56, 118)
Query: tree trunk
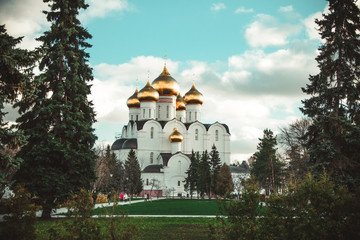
point(46, 214)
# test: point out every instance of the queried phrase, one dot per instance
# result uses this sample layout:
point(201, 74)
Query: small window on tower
point(143, 113)
point(167, 111)
point(137, 117)
point(151, 157)
point(158, 112)
point(149, 113)
point(179, 183)
point(131, 117)
point(152, 132)
point(147, 182)
point(196, 134)
point(217, 135)
point(195, 116)
point(189, 116)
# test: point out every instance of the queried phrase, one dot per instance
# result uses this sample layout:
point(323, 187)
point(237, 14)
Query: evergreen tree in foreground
point(133, 182)
point(266, 166)
point(334, 105)
point(191, 181)
point(214, 168)
point(224, 182)
point(57, 117)
point(204, 175)
point(15, 70)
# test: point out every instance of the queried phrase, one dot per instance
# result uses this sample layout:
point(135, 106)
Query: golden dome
point(176, 136)
point(148, 94)
point(193, 96)
point(133, 101)
point(180, 103)
point(165, 84)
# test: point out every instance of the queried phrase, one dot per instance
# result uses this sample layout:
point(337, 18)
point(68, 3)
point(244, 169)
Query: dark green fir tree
point(57, 117)
point(117, 179)
point(334, 103)
point(214, 168)
point(133, 182)
point(191, 181)
point(266, 166)
point(15, 71)
point(204, 175)
point(224, 184)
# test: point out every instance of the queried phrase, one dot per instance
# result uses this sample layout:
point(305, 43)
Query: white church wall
point(174, 173)
point(193, 112)
point(147, 181)
point(166, 108)
point(124, 132)
point(196, 138)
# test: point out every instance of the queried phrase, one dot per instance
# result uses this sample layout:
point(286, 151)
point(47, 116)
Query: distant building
point(239, 174)
point(164, 128)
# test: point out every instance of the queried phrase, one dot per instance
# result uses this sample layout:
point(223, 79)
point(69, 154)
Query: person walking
point(109, 198)
point(94, 196)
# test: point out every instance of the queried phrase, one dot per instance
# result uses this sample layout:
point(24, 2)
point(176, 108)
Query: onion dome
point(176, 136)
point(193, 96)
point(180, 103)
point(148, 94)
point(133, 101)
point(165, 84)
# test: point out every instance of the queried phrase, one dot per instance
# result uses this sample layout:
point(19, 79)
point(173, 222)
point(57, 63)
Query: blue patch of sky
point(186, 30)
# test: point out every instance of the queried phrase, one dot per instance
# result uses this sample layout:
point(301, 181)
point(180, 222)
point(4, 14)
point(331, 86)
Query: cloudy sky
point(248, 58)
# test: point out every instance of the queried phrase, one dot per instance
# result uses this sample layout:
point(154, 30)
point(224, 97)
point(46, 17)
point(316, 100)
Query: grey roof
point(152, 169)
point(117, 145)
point(130, 143)
point(236, 169)
point(165, 157)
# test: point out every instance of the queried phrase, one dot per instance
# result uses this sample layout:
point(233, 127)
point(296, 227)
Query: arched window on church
point(149, 113)
point(167, 111)
point(158, 112)
point(143, 113)
point(195, 116)
point(196, 134)
point(179, 183)
point(216, 135)
point(151, 157)
point(147, 182)
point(152, 132)
point(189, 116)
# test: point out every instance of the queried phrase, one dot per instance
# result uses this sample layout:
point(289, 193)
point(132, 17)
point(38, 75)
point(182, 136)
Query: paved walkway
point(99, 205)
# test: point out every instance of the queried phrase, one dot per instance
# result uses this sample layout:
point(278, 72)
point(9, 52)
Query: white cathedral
point(163, 130)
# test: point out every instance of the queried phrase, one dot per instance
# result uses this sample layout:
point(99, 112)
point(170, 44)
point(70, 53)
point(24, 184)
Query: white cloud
point(24, 18)
point(244, 10)
point(311, 27)
point(286, 9)
point(217, 6)
point(100, 9)
point(268, 31)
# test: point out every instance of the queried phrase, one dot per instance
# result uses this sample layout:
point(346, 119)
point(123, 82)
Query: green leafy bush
point(19, 224)
point(82, 227)
point(313, 209)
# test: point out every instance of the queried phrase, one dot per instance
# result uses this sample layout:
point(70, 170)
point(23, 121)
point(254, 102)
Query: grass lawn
point(152, 228)
point(167, 207)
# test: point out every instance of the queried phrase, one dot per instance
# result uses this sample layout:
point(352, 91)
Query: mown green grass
point(150, 228)
point(166, 207)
